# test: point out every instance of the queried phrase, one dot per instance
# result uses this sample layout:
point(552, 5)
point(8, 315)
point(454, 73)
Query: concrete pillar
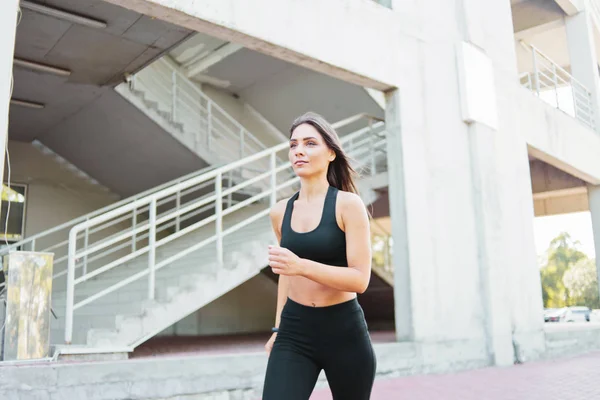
point(582, 53)
point(594, 202)
point(460, 201)
point(8, 25)
point(402, 282)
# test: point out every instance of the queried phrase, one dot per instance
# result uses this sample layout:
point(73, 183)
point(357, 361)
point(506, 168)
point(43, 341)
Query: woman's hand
point(269, 345)
point(284, 262)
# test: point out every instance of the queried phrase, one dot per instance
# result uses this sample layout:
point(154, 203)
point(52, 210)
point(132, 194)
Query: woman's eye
point(292, 145)
point(312, 144)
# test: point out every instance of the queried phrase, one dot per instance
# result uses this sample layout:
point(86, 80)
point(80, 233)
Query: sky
point(578, 225)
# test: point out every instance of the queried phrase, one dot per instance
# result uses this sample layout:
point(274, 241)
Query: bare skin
point(305, 281)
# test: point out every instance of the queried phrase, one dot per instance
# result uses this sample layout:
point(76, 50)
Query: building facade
point(487, 115)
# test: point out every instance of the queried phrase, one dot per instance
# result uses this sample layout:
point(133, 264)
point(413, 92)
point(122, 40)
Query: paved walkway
point(565, 379)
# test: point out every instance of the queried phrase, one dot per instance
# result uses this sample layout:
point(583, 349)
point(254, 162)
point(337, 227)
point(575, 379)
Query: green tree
point(560, 256)
point(581, 283)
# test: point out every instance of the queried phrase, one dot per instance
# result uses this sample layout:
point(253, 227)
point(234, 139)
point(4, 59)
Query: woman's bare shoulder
point(350, 201)
point(278, 209)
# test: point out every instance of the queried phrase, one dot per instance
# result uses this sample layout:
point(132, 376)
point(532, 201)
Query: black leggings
point(310, 339)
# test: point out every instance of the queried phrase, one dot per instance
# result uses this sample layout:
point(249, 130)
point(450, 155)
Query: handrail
point(109, 207)
point(192, 182)
point(548, 75)
point(217, 197)
point(171, 64)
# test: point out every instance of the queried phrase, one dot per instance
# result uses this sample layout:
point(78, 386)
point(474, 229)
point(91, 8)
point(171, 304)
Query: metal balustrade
point(558, 88)
point(367, 148)
point(183, 103)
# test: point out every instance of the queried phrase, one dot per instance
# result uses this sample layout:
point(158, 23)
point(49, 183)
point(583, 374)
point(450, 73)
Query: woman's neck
point(313, 189)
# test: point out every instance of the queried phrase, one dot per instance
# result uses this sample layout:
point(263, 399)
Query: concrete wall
point(248, 308)
point(54, 194)
point(247, 116)
point(556, 138)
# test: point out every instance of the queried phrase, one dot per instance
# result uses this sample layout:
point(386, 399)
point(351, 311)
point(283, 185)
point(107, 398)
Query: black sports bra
point(325, 244)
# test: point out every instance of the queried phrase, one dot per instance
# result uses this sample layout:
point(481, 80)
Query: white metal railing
point(557, 87)
point(367, 147)
point(210, 125)
point(56, 240)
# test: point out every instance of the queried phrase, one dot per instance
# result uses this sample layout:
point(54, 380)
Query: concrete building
point(149, 139)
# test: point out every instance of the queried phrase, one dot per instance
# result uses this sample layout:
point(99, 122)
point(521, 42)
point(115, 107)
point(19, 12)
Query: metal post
point(535, 72)
point(230, 185)
point(134, 235)
point(177, 207)
point(372, 140)
point(174, 94)
point(273, 179)
point(555, 81)
point(209, 120)
point(241, 143)
point(86, 240)
point(152, 249)
point(70, 286)
point(33, 245)
point(219, 215)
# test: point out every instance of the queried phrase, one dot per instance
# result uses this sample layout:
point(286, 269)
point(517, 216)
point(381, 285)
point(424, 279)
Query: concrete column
point(466, 278)
point(594, 201)
point(8, 25)
point(402, 283)
point(582, 53)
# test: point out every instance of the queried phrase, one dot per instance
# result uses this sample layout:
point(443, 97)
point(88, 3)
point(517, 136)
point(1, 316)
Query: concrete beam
point(560, 202)
point(294, 34)
point(212, 59)
point(570, 7)
point(535, 14)
point(557, 138)
point(546, 178)
point(8, 26)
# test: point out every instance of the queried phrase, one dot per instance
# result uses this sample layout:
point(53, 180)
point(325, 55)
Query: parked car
point(554, 314)
point(577, 314)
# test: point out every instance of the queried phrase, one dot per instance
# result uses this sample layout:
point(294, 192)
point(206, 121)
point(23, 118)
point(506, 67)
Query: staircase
point(170, 99)
point(131, 270)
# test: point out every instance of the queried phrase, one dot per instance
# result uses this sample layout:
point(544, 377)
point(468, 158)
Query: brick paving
point(565, 379)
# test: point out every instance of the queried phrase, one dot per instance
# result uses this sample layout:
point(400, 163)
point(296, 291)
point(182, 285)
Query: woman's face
point(309, 154)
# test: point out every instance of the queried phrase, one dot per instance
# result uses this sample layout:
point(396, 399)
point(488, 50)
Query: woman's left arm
point(356, 277)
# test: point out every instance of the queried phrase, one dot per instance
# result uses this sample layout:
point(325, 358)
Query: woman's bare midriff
point(313, 294)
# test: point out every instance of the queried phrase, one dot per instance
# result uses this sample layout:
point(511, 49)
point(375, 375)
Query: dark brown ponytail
point(340, 173)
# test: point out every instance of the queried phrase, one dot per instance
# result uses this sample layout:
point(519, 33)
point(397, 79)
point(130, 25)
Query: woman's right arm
point(276, 214)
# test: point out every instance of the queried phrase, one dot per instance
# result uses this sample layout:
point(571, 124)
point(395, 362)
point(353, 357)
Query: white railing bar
point(214, 105)
point(246, 221)
point(110, 289)
point(111, 265)
point(353, 119)
point(561, 69)
point(112, 240)
point(165, 217)
point(185, 252)
point(186, 230)
point(246, 202)
point(105, 209)
point(121, 246)
point(186, 209)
